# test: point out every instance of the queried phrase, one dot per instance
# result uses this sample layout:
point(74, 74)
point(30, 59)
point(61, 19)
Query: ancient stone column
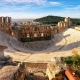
point(67, 20)
point(62, 25)
point(1, 19)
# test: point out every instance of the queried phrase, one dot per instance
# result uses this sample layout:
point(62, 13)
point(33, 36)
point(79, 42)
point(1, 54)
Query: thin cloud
point(74, 8)
point(23, 15)
point(55, 3)
point(35, 15)
point(27, 1)
point(36, 8)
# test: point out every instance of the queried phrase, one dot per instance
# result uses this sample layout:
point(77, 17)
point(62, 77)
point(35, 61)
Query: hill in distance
point(55, 19)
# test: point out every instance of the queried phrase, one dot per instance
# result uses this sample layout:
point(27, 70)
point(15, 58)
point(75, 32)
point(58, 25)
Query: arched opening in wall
point(35, 35)
point(35, 28)
point(7, 19)
point(13, 34)
point(28, 35)
point(2, 20)
point(42, 34)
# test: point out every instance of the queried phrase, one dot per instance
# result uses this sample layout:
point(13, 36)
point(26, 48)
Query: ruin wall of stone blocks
point(31, 32)
point(5, 24)
point(34, 32)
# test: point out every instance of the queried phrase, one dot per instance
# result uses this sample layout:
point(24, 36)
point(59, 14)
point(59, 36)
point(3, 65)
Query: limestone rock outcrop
point(54, 68)
point(20, 74)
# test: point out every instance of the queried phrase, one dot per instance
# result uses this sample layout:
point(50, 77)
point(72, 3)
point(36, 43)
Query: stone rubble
point(54, 67)
point(20, 73)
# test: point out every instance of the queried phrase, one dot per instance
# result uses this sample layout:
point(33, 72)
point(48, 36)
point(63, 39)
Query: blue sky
point(31, 9)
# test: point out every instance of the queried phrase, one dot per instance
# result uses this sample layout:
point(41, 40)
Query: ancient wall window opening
point(2, 20)
point(28, 35)
point(42, 34)
point(35, 35)
point(7, 19)
point(35, 28)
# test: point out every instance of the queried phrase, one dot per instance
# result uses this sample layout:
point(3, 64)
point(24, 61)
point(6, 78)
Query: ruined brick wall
point(5, 24)
point(65, 23)
point(31, 32)
point(34, 31)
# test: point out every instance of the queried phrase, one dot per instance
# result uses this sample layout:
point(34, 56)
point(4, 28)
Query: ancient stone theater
point(33, 32)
